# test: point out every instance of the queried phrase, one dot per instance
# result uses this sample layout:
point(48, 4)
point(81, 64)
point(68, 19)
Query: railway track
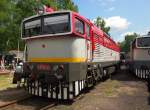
point(62, 102)
point(35, 103)
point(14, 102)
point(31, 103)
point(48, 106)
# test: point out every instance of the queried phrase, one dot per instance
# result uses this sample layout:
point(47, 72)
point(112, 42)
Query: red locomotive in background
point(65, 53)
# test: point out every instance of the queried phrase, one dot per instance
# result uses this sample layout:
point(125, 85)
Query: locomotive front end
point(141, 56)
point(54, 58)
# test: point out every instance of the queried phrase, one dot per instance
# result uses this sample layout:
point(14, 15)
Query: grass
point(6, 81)
point(109, 88)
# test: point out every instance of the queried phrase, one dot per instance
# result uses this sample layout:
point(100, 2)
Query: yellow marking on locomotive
point(75, 60)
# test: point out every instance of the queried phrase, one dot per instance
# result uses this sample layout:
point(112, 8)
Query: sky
point(123, 16)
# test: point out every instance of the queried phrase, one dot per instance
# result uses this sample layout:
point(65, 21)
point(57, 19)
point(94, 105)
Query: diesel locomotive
point(65, 53)
point(140, 56)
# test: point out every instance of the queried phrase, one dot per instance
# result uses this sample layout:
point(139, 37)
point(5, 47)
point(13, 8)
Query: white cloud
point(144, 32)
point(122, 36)
point(127, 33)
point(117, 23)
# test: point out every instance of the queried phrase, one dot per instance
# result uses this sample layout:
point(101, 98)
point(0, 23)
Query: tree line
point(125, 44)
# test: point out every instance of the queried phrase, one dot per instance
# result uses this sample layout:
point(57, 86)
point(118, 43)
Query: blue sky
point(123, 16)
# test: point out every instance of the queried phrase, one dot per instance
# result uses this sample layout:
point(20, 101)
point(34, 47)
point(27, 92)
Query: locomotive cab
point(57, 38)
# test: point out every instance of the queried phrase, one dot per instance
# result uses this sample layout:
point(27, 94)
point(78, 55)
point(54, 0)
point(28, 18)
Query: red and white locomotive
point(64, 54)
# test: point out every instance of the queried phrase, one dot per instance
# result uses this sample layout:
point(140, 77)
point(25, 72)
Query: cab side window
point(87, 31)
point(79, 26)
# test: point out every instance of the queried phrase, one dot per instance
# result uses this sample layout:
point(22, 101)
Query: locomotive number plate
point(44, 67)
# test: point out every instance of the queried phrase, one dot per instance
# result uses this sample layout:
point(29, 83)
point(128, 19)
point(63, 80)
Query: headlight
point(60, 72)
point(19, 69)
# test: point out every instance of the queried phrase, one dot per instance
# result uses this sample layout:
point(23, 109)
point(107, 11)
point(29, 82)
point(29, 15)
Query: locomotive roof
point(142, 36)
point(55, 12)
point(145, 36)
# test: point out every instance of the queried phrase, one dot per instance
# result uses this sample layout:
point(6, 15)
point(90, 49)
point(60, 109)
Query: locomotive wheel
point(95, 75)
point(90, 82)
point(100, 72)
point(105, 74)
point(94, 80)
point(117, 68)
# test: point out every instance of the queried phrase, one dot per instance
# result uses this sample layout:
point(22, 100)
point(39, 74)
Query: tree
point(100, 23)
point(61, 4)
point(67, 4)
point(5, 22)
point(125, 45)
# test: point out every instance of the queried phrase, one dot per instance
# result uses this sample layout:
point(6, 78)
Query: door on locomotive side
point(82, 29)
point(88, 32)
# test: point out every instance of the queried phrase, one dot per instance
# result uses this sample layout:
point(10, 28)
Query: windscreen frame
point(23, 27)
point(53, 16)
point(137, 46)
point(41, 17)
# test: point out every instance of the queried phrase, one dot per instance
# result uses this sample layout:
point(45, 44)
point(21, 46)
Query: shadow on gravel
point(42, 103)
point(148, 100)
point(124, 75)
point(11, 94)
point(37, 103)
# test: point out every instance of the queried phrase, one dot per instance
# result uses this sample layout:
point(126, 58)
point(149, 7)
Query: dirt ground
point(122, 91)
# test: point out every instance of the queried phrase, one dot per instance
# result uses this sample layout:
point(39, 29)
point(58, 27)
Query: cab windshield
point(47, 24)
point(143, 42)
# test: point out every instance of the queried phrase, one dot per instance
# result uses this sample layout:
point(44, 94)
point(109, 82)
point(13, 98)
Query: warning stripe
point(57, 60)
